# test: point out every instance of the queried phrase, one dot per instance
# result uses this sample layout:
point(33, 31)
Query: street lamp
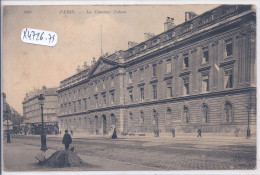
point(8, 132)
point(43, 135)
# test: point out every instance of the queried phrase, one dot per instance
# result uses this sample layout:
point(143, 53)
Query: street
point(139, 153)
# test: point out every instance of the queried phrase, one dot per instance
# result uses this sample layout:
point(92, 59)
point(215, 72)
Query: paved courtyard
point(139, 153)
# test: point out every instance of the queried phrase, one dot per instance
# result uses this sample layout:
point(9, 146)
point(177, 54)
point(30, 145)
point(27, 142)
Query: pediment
point(102, 65)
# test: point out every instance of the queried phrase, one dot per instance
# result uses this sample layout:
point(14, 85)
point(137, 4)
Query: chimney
point(131, 44)
point(190, 15)
point(78, 69)
point(169, 23)
point(85, 66)
point(148, 36)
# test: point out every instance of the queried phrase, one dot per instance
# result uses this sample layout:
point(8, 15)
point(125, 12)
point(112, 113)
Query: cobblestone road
point(164, 154)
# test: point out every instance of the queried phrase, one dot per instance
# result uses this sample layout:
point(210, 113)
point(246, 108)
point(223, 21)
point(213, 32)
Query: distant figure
point(71, 132)
point(173, 132)
point(199, 133)
point(60, 132)
point(66, 140)
point(114, 136)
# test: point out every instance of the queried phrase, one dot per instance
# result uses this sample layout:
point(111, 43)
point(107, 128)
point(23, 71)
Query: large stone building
point(199, 74)
point(32, 110)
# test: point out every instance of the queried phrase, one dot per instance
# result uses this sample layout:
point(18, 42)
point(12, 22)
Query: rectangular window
point(228, 80)
point(169, 66)
point(75, 107)
point(185, 62)
point(85, 91)
point(154, 70)
point(96, 87)
point(205, 56)
point(85, 104)
point(103, 85)
point(186, 86)
point(131, 96)
point(142, 93)
point(112, 97)
point(154, 91)
point(96, 98)
point(169, 90)
point(141, 74)
point(112, 82)
point(104, 99)
point(130, 78)
point(228, 48)
point(205, 83)
point(79, 105)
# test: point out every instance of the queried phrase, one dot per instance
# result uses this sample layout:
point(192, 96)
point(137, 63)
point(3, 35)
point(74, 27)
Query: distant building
point(11, 118)
point(32, 110)
point(199, 74)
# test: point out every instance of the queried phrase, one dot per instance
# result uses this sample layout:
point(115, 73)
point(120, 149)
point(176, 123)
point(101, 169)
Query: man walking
point(199, 132)
point(66, 140)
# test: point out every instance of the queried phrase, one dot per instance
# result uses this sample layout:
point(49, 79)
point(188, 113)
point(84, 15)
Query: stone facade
point(32, 109)
point(199, 74)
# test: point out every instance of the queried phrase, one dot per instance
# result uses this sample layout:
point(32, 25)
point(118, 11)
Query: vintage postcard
point(142, 88)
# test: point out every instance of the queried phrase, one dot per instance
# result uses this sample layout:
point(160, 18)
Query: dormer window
point(143, 47)
point(155, 41)
point(169, 35)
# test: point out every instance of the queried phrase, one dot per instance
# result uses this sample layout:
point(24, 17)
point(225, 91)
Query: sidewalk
point(166, 137)
point(20, 157)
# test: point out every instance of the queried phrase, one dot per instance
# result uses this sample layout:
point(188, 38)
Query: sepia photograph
point(135, 87)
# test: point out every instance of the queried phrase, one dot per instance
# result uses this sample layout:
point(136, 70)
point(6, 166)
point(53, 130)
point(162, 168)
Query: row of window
point(205, 59)
point(78, 92)
point(76, 106)
point(228, 114)
point(228, 83)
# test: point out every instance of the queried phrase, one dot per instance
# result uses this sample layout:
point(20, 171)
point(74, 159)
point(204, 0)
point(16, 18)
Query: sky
point(29, 66)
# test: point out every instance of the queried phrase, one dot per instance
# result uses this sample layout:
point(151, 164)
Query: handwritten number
point(51, 38)
point(24, 34)
point(41, 38)
point(29, 35)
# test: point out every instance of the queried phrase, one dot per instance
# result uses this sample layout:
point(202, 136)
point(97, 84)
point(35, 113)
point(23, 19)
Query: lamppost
point(43, 135)
point(249, 107)
point(8, 132)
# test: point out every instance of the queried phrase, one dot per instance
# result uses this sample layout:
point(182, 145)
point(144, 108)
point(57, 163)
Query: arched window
point(113, 119)
point(205, 111)
point(141, 123)
point(186, 114)
point(228, 109)
point(130, 119)
point(168, 119)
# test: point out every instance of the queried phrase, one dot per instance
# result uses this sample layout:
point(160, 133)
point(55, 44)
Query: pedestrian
point(67, 140)
point(71, 132)
point(114, 136)
point(60, 132)
point(173, 132)
point(199, 133)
